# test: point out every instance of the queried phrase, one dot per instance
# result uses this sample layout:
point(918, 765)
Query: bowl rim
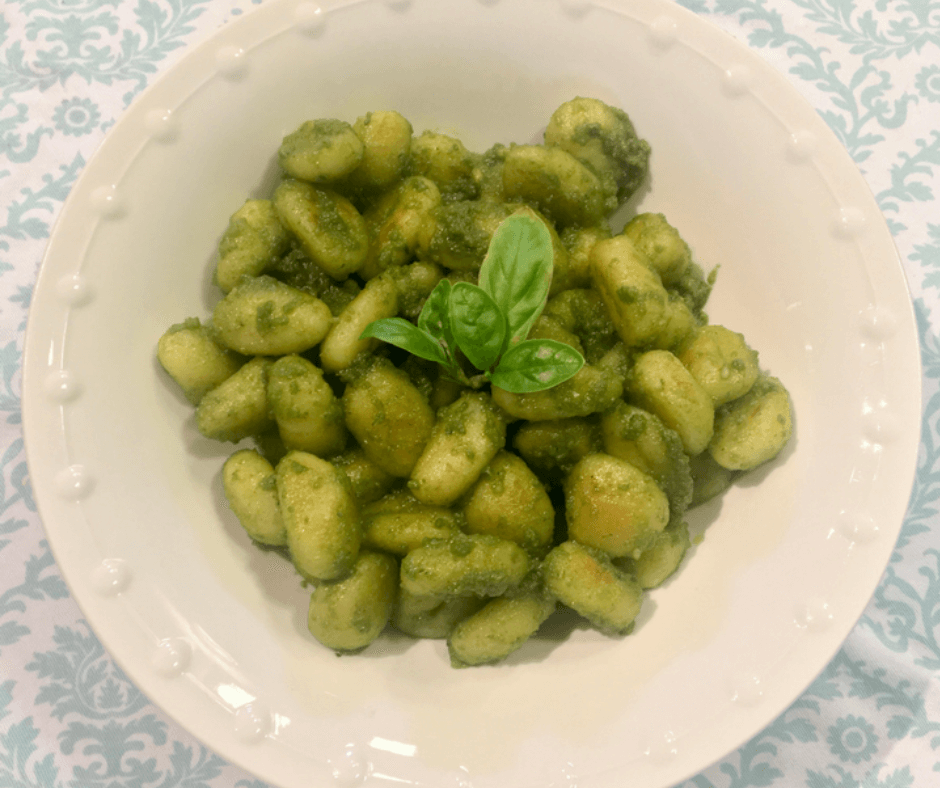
point(225, 54)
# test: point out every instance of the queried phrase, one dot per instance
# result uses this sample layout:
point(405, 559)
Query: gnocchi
point(453, 509)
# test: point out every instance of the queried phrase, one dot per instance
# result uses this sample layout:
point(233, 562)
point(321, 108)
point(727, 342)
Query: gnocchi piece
point(269, 443)
point(499, 629)
point(709, 479)
point(386, 148)
point(191, 356)
point(579, 241)
point(326, 225)
point(509, 501)
point(342, 345)
point(349, 613)
point(613, 506)
point(369, 482)
point(252, 243)
point(390, 419)
point(478, 565)
point(432, 616)
point(754, 428)
point(694, 287)
point(399, 523)
point(488, 174)
point(582, 311)
point(554, 182)
point(298, 270)
point(238, 407)
point(661, 244)
point(585, 580)
point(461, 232)
point(320, 151)
point(265, 317)
point(414, 284)
point(251, 491)
point(444, 392)
point(320, 516)
point(660, 384)
point(548, 327)
point(660, 561)
point(603, 137)
point(721, 361)
point(592, 389)
point(635, 297)
point(445, 161)
point(309, 416)
point(553, 448)
point(466, 436)
point(679, 326)
point(422, 373)
point(639, 437)
point(399, 223)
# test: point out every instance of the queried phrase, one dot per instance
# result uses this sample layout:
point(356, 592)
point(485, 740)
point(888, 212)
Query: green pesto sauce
point(267, 319)
point(298, 270)
point(453, 418)
point(634, 427)
point(628, 155)
point(488, 171)
point(546, 191)
point(189, 324)
point(338, 296)
point(461, 547)
point(391, 252)
point(291, 369)
point(694, 288)
point(313, 137)
point(628, 294)
point(331, 221)
point(496, 480)
point(234, 236)
point(464, 229)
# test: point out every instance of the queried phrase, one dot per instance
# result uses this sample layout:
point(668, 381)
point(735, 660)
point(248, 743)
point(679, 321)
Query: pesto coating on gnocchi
point(414, 494)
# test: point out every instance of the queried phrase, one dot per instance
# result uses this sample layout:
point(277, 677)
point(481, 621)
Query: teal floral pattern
point(873, 72)
point(69, 718)
point(76, 117)
point(927, 83)
point(852, 739)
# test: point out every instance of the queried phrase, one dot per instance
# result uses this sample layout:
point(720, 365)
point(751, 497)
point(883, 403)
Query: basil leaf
point(400, 333)
point(535, 365)
point(477, 323)
point(517, 272)
point(433, 318)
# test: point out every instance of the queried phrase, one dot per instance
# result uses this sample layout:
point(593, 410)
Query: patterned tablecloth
point(68, 717)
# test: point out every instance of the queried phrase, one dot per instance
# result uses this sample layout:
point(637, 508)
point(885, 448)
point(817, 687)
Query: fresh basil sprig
point(489, 322)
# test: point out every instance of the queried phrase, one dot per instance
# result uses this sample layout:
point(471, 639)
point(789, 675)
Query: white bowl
point(213, 629)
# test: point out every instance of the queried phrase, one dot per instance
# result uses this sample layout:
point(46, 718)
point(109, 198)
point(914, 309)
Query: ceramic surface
point(213, 630)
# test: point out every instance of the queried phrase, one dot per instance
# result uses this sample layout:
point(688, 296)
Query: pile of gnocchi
point(407, 498)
